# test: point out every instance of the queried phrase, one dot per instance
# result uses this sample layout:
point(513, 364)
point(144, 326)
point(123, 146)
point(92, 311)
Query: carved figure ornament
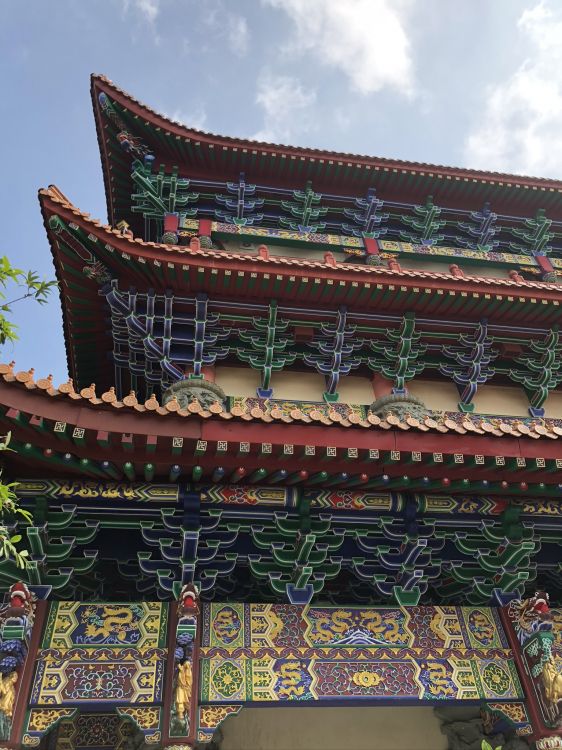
point(531, 615)
point(8, 694)
point(183, 690)
point(552, 682)
point(188, 603)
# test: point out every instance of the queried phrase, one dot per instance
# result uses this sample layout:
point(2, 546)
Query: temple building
point(307, 456)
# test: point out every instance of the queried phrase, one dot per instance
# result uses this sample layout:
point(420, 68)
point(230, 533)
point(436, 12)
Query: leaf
point(31, 286)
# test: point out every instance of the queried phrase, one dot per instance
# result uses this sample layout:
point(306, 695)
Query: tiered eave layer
point(84, 434)
point(199, 154)
point(87, 245)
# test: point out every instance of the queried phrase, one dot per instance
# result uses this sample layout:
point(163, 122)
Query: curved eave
point(59, 429)
point(290, 279)
point(224, 157)
point(81, 306)
point(255, 278)
point(102, 144)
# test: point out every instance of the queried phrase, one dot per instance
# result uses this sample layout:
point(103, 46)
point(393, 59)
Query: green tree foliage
point(28, 285)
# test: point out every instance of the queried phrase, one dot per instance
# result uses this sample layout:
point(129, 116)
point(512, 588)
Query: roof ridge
point(381, 160)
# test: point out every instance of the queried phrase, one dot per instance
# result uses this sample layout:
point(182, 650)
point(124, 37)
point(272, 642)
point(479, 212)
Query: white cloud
point(238, 35)
point(147, 9)
point(287, 108)
point(194, 118)
point(342, 118)
point(519, 129)
point(365, 39)
point(229, 26)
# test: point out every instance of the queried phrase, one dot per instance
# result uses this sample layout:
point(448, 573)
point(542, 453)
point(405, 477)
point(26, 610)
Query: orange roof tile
point(270, 412)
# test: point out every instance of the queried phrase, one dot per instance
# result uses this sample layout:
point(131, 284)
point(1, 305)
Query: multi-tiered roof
point(222, 250)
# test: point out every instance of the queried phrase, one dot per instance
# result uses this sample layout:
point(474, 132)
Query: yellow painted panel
point(553, 405)
point(355, 390)
point(237, 381)
point(500, 399)
point(436, 394)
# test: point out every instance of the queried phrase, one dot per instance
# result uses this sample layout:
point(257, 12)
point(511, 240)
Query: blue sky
point(472, 83)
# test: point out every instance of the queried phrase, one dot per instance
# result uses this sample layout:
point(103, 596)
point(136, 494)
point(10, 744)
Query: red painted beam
point(26, 678)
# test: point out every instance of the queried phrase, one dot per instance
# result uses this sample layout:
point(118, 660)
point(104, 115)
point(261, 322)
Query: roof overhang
point(204, 155)
point(84, 248)
point(87, 434)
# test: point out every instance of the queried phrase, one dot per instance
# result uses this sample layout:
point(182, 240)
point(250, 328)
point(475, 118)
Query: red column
point(182, 689)
point(526, 624)
point(205, 227)
point(381, 386)
point(371, 246)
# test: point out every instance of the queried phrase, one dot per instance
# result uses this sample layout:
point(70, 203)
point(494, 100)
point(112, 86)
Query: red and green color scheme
point(191, 551)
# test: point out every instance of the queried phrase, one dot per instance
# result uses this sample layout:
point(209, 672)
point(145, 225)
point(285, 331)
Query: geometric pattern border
point(278, 652)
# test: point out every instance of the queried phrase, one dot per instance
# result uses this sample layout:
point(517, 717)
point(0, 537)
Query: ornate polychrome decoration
point(81, 675)
point(279, 652)
point(481, 228)
point(184, 705)
point(129, 143)
point(393, 547)
point(534, 237)
point(423, 226)
point(224, 494)
point(70, 238)
point(157, 355)
point(239, 210)
point(505, 718)
point(73, 489)
point(287, 235)
point(142, 625)
point(210, 717)
point(313, 518)
point(305, 208)
point(160, 337)
point(147, 720)
point(160, 194)
point(300, 210)
point(17, 618)
point(470, 366)
point(540, 371)
point(334, 357)
point(41, 721)
point(368, 219)
point(105, 654)
point(539, 630)
point(399, 358)
point(84, 731)
point(270, 350)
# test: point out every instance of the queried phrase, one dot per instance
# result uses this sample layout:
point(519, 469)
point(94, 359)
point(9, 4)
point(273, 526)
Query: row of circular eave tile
point(279, 260)
point(442, 423)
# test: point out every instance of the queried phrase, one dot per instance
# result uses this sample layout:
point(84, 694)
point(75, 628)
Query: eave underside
point(83, 248)
point(202, 155)
point(247, 484)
